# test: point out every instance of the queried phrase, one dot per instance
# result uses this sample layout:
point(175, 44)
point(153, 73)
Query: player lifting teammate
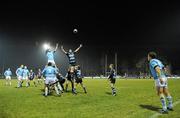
point(50, 73)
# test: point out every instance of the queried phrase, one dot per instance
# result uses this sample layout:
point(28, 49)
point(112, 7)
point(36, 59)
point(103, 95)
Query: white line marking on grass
point(158, 114)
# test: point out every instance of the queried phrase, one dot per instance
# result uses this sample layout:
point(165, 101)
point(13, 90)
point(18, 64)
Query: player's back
point(19, 71)
point(25, 72)
point(50, 55)
point(153, 64)
point(50, 71)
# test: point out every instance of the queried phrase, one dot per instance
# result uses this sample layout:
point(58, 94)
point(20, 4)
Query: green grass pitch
point(135, 99)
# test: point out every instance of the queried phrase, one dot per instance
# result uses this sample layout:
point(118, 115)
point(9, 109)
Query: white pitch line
point(158, 114)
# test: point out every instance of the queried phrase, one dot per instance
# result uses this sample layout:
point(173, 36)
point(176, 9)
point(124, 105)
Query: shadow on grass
point(150, 107)
point(108, 93)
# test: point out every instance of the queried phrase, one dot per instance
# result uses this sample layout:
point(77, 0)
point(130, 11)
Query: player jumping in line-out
point(50, 54)
point(8, 75)
point(112, 79)
point(158, 73)
point(72, 63)
point(71, 55)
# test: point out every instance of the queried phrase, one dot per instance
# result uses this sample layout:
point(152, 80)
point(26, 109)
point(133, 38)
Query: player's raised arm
point(63, 50)
point(78, 48)
point(56, 47)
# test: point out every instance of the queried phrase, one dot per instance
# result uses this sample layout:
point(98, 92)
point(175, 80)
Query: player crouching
point(79, 78)
point(49, 73)
point(112, 78)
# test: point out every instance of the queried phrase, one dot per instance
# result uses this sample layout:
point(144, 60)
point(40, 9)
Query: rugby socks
point(163, 102)
point(59, 87)
point(27, 84)
point(19, 84)
point(35, 84)
point(170, 102)
point(46, 91)
point(84, 88)
point(56, 89)
point(113, 90)
point(66, 87)
point(74, 90)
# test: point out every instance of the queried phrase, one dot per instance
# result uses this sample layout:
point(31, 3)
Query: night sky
point(131, 29)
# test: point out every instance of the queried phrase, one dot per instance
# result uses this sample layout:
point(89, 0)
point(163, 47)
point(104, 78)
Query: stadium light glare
point(46, 46)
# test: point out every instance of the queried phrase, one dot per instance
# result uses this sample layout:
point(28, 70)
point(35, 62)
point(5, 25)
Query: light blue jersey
point(50, 55)
point(49, 71)
point(19, 72)
point(7, 73)
point(153, 64)
point(25, 72)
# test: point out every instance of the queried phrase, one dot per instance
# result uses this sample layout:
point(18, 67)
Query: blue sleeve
point(154, 64)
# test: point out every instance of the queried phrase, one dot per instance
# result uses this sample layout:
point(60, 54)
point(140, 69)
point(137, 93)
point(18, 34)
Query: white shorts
point(8, 77)
point(19, 78)
point(51, 61)
point(50, 80)
point(164, 84)
point(25, 78)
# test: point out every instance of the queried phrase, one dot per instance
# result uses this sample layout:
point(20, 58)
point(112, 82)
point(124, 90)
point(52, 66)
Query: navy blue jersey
point(78, 73)
point(71, 57)
point(112, 74)
point(31, 75)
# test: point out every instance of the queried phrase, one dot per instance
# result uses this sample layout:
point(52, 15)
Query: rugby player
point(8, 75)
point(158, 73)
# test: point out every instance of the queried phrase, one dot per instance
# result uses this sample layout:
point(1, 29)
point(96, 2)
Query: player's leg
point(46, 87)
point(6, 79)
point(27, 82)
point(9, 80)
point(34, 81)
point(84, 88)
point(112, 84)
point(162, 99)
point(62, 85)
point(57, 89)
point(169, 98)
point(19, 82)
point(73, 86)
point(67, 83)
